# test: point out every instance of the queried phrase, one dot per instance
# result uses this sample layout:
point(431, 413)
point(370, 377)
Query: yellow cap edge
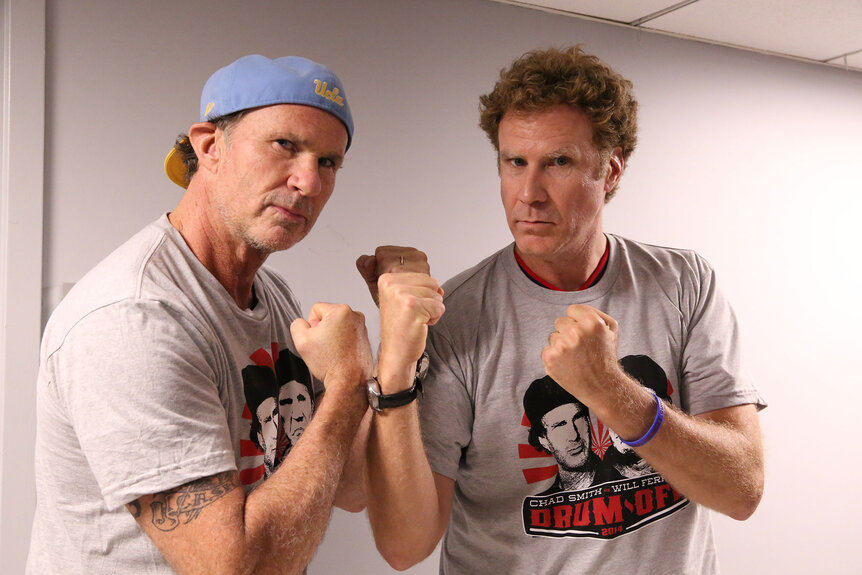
point(175, 168)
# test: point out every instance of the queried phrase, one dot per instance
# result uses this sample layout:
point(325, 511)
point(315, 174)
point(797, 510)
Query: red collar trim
point(600, 268)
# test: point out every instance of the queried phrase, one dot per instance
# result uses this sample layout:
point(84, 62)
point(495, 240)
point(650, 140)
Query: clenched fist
point(390, 259)
point(581, 354)
point(334, 341)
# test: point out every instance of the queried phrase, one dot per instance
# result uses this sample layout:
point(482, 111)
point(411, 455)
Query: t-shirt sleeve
point(713, 373)
point(446, 410)
point(143, 400)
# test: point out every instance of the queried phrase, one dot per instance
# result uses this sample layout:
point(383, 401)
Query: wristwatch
point(380, 401)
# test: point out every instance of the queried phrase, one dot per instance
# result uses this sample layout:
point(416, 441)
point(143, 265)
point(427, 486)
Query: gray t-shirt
point(513, 509)
point(151, 376)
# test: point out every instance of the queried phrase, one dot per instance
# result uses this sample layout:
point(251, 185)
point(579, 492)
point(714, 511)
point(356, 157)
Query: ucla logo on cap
point(320, 90)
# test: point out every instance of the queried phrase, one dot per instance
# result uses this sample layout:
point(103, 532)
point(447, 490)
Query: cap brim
point(175, 168)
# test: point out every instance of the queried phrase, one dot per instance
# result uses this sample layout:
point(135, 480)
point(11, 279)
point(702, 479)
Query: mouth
point(296, 428)
point(292, 213)
point(533, 222)
point(536, 228)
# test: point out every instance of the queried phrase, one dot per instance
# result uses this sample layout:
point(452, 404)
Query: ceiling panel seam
point(661, 12)
point(843, 56)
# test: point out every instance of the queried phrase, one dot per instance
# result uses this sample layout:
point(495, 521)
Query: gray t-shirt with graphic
point(151, 377)
point(569, 497)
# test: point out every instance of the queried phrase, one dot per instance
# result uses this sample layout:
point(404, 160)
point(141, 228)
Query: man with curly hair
point(566, 300)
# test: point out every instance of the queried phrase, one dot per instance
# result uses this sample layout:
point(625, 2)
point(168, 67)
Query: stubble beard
point(578, 467)
point(263, 246)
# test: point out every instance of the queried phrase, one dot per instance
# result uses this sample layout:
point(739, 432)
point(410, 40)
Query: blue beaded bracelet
point(656, 424)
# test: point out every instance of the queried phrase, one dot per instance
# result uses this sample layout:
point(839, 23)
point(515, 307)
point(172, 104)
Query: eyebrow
point(568, 151)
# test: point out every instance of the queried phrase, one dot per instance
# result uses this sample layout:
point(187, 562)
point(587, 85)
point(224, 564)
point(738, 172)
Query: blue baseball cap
point(255, 81)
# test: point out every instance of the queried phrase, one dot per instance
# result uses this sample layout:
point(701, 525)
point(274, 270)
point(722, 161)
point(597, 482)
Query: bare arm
point(715, 459)
point(352, 491)
point(210, 526)
point(408, 504)
point(351, 494)
point(720, 462)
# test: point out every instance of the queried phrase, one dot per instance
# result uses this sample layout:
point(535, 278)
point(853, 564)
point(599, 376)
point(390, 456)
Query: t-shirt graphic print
point(279, 404)
point(602, 487)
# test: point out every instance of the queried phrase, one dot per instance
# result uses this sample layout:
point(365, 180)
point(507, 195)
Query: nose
point(533, 186)
point(576, 433)
point(305, 176)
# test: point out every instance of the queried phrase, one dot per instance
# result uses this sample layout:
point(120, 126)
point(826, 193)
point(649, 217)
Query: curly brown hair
point(542, 79)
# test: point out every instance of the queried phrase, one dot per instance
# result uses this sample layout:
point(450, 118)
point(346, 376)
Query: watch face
point(373, 391)
point(422, 366)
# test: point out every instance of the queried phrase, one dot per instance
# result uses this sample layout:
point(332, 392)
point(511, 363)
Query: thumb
point(299, 330)
point(367, 266)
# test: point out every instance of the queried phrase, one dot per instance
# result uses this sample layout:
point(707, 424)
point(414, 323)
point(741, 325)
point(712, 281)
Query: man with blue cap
point(161, 443)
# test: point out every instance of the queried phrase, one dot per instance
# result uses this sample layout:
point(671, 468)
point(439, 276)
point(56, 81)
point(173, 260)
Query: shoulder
point(667, 265)
point(660, 257)
point(683, 276)
point(465, 296)
point(145, 270)
point(471, 282)
point(113, 279)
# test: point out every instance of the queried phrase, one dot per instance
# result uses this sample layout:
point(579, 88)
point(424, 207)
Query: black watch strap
point(403, 397)
point(379, 401)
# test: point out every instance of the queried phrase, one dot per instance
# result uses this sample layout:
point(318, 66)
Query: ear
point(616, 167)
point(206, 139)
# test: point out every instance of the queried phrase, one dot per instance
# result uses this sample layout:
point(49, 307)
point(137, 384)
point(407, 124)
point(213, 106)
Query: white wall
point(21, 184)
point(752, 160)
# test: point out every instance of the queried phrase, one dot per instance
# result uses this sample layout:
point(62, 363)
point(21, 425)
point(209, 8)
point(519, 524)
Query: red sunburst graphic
point(601, 438)
point(527, 451)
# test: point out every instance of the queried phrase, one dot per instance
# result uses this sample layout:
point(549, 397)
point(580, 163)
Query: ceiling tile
point(817, 30)
point(618, 11)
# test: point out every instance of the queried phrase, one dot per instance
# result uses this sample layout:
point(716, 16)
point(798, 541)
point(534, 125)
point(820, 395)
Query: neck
point(567, 271)
point(233, 263)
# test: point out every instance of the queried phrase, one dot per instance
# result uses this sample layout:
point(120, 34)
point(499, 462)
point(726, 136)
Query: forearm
point(352, 491)
point(407, 507)
point(209, 526)
point(407, 514)
point(715, 459)
point(716, 463)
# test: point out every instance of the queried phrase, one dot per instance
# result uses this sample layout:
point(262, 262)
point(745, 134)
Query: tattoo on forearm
point(134, 508)
point(183, 504)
